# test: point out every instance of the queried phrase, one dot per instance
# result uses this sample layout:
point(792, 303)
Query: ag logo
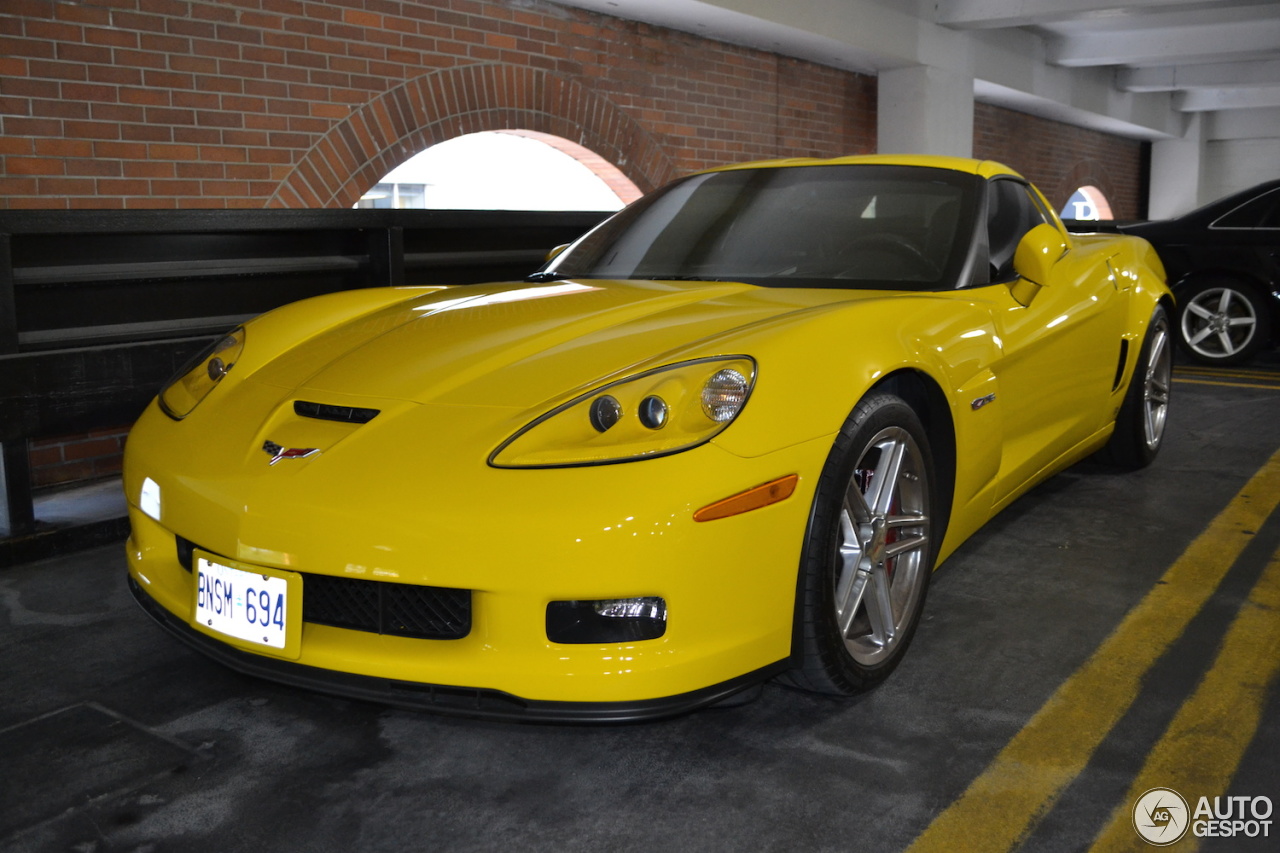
point(1161, 816)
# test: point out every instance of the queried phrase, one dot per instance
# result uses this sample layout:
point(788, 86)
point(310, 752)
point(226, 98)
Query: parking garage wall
point(260, 103)
point(1060, 158)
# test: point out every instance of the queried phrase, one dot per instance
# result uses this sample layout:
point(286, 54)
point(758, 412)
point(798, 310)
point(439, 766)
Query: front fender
point(812, 372)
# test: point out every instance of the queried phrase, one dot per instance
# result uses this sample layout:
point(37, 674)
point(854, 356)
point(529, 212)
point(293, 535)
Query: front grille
point(399, 609)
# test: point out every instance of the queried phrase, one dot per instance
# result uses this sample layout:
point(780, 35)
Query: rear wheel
point(869, 552)
point(1223, 322)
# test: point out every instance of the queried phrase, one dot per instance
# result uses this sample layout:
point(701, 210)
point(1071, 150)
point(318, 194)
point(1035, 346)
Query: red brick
point(33, 166)
point(146, 169)
point(177, 153)
point(106, 465)
point(145, 201)
point(61, 474)
point(120, 150)
point(201, 171)
point(43, 457)
point(117, 75)
point(117, 113)
point(112, 38)
point(362, 19)
point(89, 448)
point(63, 148)
point(145, 133)
point(141, 59)
point(197, 135)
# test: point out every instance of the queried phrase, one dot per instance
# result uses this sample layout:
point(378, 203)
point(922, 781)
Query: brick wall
point(1059, 158)
point(73, 458)
point(256, 103)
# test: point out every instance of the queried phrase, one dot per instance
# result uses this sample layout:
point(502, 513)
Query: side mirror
point(556, 251)
point(1037, 252)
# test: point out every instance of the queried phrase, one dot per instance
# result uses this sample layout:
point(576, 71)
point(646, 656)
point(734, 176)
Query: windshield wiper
point(546, 276)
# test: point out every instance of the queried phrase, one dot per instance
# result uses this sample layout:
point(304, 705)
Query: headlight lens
point(724, 394)
point(655, 413)
point(193, 383)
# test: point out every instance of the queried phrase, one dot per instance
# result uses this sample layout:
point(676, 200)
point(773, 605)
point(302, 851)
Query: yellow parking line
point(1275, 387)
point(1219, 371)
point(1026, 778)
point(1202, 747)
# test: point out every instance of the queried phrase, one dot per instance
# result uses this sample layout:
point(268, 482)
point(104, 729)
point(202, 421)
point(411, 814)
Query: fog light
point(610, 620)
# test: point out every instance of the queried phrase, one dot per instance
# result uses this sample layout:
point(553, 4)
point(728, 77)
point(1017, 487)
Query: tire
point(1222, 322)
point(864, 574)
point(1140, 424)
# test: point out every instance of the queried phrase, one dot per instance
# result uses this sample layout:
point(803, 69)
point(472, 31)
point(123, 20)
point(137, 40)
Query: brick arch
point(382, 134)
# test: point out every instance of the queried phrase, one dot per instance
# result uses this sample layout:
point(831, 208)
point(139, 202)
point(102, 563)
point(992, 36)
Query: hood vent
point(326, 412)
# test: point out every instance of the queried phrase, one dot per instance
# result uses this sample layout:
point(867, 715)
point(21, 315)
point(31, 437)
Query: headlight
point(656, 413)
point(193, 383)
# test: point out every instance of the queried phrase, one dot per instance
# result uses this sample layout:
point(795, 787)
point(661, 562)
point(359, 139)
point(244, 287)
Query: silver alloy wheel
point(883, 543)
point(1219, 322)
point(1156, 384)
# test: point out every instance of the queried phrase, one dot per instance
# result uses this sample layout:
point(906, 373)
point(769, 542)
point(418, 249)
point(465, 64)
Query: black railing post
point(8, 300)
point(386, 257)
point(16, 509)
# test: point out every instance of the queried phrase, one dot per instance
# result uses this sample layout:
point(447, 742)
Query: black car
point(1223, 262)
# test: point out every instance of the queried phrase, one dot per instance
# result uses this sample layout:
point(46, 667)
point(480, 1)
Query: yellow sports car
point(726, 435)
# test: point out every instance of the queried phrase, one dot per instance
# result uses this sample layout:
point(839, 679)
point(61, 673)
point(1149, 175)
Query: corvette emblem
point(276, 452)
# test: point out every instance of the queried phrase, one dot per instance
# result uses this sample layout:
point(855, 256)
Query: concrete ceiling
point(1136, 67)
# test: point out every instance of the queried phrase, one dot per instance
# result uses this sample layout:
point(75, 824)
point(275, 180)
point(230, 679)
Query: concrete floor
point(116, 737)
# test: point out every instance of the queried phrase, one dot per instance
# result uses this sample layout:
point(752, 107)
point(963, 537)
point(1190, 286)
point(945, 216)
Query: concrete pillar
point(1177, 171)
point(925, 110)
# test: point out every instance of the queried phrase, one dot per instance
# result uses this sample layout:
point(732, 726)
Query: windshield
point(852, 226)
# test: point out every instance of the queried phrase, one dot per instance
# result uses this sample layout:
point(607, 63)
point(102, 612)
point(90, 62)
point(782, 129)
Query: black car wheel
point(869, 551)
point(1223, 322)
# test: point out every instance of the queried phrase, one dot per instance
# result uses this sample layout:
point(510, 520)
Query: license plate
point(249, 606)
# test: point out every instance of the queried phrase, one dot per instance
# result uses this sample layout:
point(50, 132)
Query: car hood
point(520, 344)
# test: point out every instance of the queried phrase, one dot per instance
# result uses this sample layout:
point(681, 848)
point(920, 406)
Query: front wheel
point(869, 551)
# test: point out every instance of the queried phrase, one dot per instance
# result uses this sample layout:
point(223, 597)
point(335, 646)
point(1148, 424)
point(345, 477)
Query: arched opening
point(504, 170)
point(1087, 204)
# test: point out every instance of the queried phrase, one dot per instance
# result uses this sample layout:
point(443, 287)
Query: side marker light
point(771, 492)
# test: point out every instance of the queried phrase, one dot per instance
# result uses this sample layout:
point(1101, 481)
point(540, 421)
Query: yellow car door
point(1060, 336)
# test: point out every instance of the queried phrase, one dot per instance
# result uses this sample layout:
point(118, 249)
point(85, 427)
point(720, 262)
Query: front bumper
point(446, 699)
point(729, 584)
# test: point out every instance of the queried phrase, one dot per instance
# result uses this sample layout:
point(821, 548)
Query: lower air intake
point(402, 610)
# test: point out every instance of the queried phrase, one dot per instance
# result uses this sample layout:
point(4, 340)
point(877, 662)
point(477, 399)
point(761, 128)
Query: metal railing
point(99, 308)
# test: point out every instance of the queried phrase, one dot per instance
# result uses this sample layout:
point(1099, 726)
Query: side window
point(1011, 212)
point(1262, 212)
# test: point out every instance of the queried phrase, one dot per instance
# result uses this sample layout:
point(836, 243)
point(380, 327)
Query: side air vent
point(1124, 356)
point(326, 412)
